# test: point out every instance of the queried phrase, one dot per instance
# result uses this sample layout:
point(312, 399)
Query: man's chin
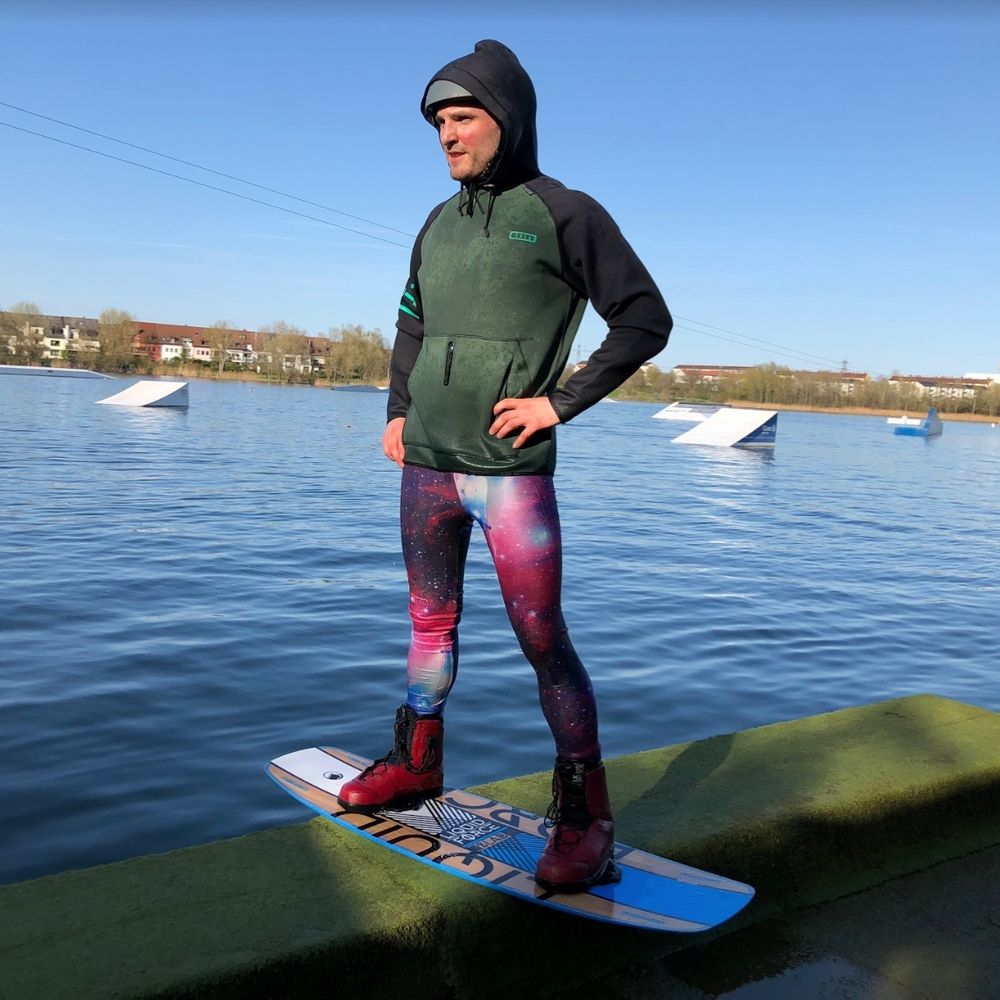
point(464, 176)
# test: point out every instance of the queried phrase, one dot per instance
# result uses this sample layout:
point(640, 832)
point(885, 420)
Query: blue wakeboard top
point(498, 846)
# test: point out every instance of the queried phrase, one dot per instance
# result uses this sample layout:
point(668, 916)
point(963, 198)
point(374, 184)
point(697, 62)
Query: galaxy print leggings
point(520, 520)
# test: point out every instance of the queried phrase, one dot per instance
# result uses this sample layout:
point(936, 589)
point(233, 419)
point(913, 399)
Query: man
point(499, 278)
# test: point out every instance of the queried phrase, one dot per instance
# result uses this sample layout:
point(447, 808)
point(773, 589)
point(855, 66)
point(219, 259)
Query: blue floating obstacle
point(928, 427)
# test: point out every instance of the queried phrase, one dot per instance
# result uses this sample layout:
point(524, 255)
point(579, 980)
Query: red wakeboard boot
point(578, 854)
point(409, 773)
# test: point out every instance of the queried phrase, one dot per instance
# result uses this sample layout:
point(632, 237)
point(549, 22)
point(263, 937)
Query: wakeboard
point(497, 846)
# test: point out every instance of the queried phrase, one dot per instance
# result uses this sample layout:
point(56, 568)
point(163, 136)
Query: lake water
point(186, 594)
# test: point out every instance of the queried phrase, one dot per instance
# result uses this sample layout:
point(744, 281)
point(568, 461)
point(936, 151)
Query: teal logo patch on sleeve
point(522, 237)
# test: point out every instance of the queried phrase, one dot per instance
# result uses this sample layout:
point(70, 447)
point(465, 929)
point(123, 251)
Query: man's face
point(470, 138)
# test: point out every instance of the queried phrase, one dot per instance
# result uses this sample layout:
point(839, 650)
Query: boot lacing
point(567, 811)
point(400, 753)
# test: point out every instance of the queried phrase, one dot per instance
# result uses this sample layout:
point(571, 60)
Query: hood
point(493, 76)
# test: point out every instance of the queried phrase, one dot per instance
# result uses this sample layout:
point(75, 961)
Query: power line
point(789, 353)
point(211, 187)
point(210, 170)
point(751, 341)
point(743, 340)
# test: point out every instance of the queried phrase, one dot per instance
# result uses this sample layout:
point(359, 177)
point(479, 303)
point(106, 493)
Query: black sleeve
point(599, 263)
point(409, 333)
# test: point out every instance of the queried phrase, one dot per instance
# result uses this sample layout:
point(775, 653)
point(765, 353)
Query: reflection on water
point(188, 593)
point(740, 461)
point(151, 421)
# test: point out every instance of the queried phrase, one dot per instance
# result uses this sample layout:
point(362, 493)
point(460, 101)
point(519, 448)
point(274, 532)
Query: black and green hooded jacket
point(500, 276)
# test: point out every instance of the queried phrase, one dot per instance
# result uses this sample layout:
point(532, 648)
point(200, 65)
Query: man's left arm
point(600, 263)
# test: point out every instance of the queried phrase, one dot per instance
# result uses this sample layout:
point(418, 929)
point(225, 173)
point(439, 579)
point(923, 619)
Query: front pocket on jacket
point(454, 386)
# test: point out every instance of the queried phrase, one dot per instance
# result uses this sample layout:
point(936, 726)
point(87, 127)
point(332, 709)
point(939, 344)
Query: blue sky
point(808, 184)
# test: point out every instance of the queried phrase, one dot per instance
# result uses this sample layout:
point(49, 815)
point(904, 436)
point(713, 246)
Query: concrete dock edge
point(806, 811)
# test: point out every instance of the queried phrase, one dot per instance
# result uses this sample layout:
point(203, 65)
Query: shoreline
point(858, 411)
point(861, 411)
point(744, 404)
point(184, 372)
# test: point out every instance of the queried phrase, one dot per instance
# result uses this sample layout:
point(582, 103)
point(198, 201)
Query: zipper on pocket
point(447, 361)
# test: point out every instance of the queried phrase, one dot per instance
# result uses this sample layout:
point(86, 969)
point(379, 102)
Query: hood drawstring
point(469, 197)
point(489, 206)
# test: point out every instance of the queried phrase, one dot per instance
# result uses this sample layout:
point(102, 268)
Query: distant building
point(644, 368)
point(846, 382)
point(63, 336)
point(20, 336)
point(252, 348)
point(170, 341)
point(708, 373)
point(943, 386)
point(167, 341)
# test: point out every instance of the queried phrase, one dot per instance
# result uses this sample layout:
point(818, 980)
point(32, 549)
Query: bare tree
point(19, 337)
point(116, 334)
point(287, 350)
point(358, 355)
point(219, 337)
point(990, 399)
point(767, 383)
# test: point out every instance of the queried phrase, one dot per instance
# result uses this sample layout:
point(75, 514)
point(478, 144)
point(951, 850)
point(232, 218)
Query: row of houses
point(62, 338)
point(164, 342)
point(931, 386)
point(170, 341)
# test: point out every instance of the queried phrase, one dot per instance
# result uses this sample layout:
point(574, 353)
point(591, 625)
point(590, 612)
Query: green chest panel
point(499, 321)
point(505, 286)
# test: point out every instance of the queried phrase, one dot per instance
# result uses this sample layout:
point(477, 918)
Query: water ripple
point(187, 594)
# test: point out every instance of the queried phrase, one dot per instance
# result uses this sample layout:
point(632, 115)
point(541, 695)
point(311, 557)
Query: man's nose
point(446, 133)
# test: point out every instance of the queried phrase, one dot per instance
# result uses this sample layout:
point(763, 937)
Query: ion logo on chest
point(520, 237)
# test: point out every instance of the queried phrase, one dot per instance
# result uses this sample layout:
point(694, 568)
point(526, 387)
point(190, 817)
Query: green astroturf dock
point(805, 811)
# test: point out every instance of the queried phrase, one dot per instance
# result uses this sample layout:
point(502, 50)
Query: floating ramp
point(151, 394)
point(930, 426)
point(732, 427)
point(51, 372)
point(691, 411)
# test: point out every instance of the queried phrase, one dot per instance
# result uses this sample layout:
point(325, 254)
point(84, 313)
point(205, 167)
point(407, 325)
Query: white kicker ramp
point(151, 394)
point(731, 427)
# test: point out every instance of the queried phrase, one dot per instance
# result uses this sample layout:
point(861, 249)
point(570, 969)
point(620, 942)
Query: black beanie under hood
point(495, 78)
